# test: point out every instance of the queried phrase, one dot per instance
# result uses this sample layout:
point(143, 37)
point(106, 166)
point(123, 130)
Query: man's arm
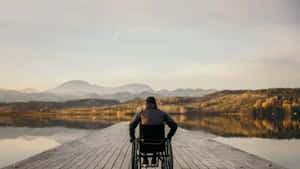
point(133, 124)
point(172, 124)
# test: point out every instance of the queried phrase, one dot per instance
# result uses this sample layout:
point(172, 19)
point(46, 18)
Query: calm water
point(283, 152)
point(20, 143)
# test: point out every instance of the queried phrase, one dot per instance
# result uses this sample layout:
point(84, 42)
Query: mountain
point(127, 96)
point(17, 96)
point(30, 90)
point(84, 89)
point(78, 89)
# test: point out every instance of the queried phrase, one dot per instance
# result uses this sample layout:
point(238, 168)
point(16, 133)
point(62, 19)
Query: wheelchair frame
point(165, 158)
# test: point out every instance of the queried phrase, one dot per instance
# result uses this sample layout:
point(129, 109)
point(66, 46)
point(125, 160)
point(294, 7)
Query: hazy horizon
point(172, 44)
point(156, 89)
point(100, 85)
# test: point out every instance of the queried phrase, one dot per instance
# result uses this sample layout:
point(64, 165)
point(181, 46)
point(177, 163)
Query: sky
point(221, 44)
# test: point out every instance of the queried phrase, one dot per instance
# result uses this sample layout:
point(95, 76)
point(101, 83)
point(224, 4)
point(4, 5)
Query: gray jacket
point(152, 117)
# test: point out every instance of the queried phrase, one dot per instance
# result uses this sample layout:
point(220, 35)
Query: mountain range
point(78, 89)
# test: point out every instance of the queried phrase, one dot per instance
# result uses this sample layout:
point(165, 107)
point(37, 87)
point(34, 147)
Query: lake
point(22, 142)
point(284, 152)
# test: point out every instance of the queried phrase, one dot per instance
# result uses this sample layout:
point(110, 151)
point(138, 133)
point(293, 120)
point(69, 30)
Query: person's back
point(152, 116)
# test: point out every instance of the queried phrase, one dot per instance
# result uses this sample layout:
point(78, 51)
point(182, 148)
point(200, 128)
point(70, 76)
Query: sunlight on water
point(283, 152)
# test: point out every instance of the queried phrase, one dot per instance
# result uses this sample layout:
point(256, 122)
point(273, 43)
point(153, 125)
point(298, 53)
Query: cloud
point(214, 44)
point(261, 69)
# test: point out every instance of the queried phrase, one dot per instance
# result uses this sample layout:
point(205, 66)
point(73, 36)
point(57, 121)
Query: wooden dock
point(109, 148)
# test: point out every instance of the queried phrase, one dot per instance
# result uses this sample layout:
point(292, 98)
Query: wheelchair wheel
point(134, 155)
point(168, 161)
point(163, 161)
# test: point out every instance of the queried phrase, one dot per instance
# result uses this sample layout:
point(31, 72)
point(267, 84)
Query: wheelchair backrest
point(152, 138)
point(152, 131)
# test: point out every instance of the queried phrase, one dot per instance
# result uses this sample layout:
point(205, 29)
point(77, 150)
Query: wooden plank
point(207, 155)
point(178, 157)
point(93, 154)
point(93, 164)
point(122, 156)
point(191, 158)
point(176, 165)
point(202, 158)
point(113, 142)
point(68, 162)
point(99, 151)
point(127, 160)
point(112, 159)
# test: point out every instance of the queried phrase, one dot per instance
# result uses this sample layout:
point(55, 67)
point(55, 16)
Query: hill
point(23, 107)
point(80, 88)
point(19, 96)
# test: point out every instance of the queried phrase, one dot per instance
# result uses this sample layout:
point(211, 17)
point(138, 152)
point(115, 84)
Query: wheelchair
point(152, 140)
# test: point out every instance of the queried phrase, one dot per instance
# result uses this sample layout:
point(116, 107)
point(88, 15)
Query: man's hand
point(132, 139)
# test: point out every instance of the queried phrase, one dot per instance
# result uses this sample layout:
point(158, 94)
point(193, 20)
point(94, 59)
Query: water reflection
point(51, 120)
point(13, 150)
point(20, 143)
point(246, 125)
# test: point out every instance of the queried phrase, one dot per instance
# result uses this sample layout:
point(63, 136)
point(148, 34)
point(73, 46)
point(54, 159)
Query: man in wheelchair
point(152, 136)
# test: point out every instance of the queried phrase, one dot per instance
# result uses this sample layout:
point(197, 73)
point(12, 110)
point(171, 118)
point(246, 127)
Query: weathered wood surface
point(109, 148)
